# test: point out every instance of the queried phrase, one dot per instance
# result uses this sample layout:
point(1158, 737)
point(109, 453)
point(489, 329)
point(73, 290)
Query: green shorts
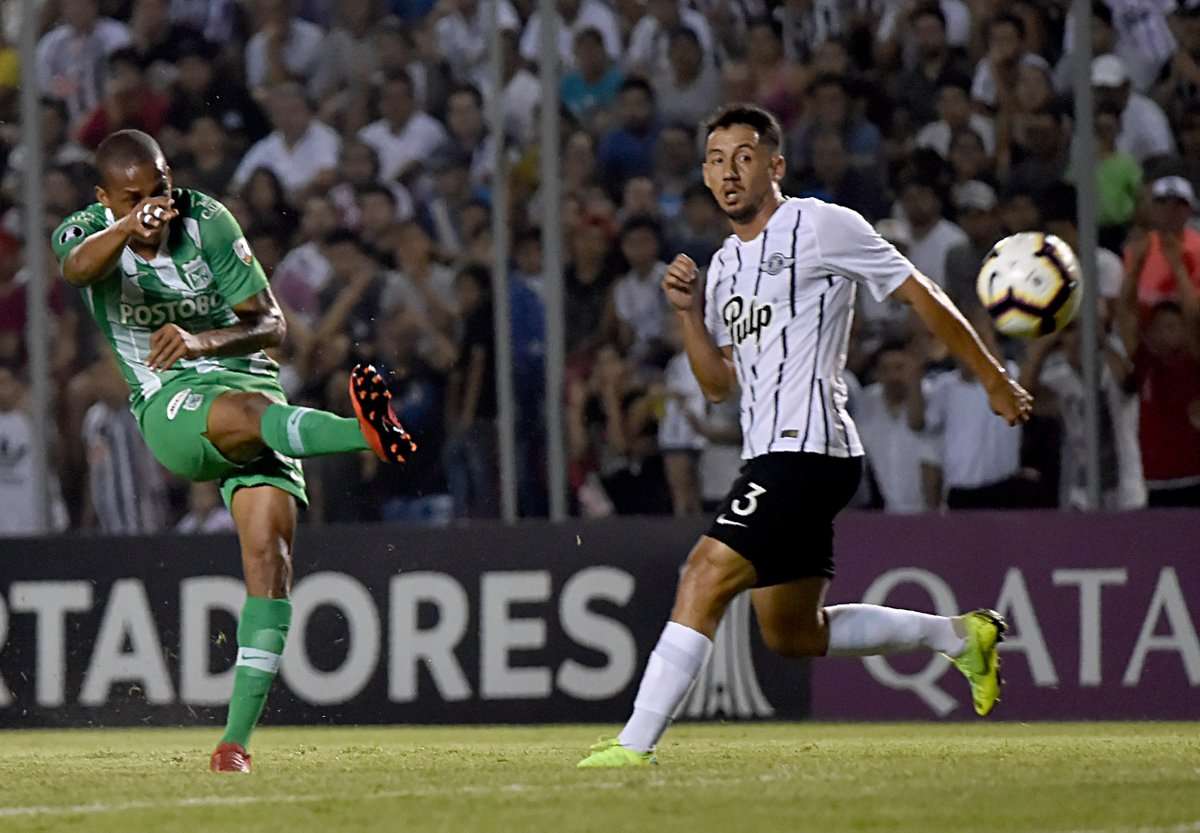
point(175, 421)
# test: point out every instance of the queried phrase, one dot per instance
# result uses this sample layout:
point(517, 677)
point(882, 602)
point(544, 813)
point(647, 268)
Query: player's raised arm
point(946, 322)
point(90, 257)
point(712, 366)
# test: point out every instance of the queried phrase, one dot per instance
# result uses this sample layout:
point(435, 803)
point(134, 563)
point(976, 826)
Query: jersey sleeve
point(74, 230)
point(851, 247)
point(712, 310)
point(236, 271)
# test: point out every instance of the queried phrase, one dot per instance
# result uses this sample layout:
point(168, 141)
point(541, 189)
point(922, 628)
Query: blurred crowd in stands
point(349, 139)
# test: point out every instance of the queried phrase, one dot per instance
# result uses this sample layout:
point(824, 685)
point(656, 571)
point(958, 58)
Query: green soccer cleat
point(610, 753)
point(980, 662)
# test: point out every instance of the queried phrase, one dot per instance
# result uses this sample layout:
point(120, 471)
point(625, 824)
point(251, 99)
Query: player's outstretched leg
point(266, 522)
point(795, 623)
point(713, 575)
point(241, 424)
point(969, 641)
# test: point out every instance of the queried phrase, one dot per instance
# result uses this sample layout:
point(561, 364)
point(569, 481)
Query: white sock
point(864, 630)
point(673, 665)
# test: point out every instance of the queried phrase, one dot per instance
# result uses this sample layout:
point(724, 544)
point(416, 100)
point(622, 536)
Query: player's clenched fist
point(682, 283)
point(150, 216)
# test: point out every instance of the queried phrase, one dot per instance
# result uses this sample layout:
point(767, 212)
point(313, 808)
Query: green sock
point(303, 432)
point(262, 632)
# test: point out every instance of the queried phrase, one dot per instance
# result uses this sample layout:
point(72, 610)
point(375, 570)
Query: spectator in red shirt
point(129, 102)
point(1171, 208)
point(1165, 346)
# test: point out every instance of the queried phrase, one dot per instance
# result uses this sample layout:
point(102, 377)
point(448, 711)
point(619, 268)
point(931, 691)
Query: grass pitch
point(985, 777)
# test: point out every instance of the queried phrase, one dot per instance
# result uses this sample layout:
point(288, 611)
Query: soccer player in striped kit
point(772, 318)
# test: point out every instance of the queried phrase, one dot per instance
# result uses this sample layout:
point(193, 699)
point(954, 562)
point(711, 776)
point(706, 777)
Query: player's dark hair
point(590, 33)
point(1007, 18)
point(467, 89)
point(929, 9)
point(635, 83)
point(756, 118)
point(127, 148)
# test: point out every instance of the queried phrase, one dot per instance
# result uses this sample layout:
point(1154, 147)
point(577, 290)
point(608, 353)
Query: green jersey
point(203, 268)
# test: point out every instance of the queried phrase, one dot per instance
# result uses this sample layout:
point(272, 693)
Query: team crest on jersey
point(70, 233)
point(242, 249)
point(776, 263)
point(745, 321)
point(185, 400)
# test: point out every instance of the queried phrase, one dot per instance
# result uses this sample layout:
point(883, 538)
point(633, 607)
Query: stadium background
point(352, 141)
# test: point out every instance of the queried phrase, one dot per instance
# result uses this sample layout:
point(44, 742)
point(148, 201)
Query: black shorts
point(779, 513)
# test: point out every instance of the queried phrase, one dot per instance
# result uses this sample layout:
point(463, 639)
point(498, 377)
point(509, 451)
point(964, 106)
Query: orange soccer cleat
point(372, 405)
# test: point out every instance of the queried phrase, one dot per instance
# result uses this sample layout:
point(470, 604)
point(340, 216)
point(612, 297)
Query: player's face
point(123, 188)
point(740, 171)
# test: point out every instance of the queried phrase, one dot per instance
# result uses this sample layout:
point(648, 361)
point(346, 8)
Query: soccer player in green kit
point(187, 309)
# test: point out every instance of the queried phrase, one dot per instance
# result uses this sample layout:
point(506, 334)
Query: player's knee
point(235, 420)
point(707, 572)
point(267, 563)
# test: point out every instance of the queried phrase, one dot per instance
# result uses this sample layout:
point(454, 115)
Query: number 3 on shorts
point(751, 501)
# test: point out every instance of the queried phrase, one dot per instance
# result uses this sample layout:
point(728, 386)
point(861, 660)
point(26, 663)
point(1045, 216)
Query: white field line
point(416, 792)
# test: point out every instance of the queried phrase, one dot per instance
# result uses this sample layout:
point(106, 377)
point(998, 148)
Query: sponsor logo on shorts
point(185, 400)
point(178, 401)
point(724, 521)
point(155, 315)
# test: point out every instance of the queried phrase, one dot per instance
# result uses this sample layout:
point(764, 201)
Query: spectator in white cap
point(976, 206)
point(1145, 131)
point(1171, 245)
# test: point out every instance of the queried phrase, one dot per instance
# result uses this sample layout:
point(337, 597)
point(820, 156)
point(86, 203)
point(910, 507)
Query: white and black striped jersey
point(785, 301)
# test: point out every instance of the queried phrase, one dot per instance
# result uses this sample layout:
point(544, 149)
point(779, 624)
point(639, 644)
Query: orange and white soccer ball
point(1030, 284)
